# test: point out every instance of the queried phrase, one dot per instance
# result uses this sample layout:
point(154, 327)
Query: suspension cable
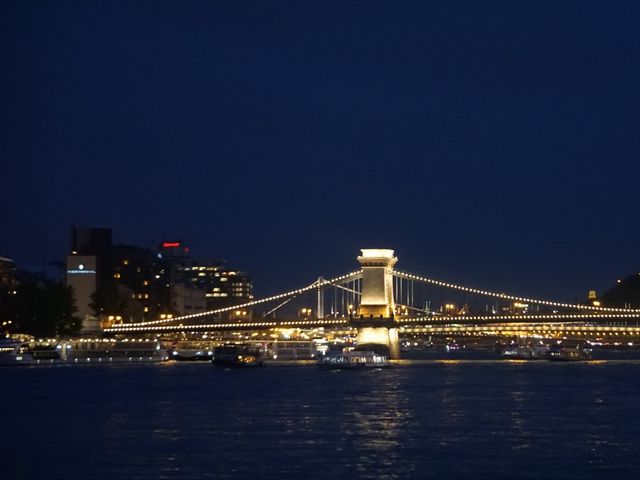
point(506, 296)
point(313, 286)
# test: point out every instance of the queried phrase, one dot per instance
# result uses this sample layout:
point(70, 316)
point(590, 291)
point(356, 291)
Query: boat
point(110, 350)
point(191, 354)
point(353, 360)
point(524, 352)
point(13, 352)
point(565, 353)
point(237, 356)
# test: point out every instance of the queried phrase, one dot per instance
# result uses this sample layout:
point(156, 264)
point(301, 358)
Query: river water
point(430, 419)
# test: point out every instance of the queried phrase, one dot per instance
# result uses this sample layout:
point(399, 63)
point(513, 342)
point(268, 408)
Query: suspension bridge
point(377, 303)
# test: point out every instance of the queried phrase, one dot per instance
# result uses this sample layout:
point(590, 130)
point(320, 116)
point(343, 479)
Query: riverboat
point(191, 354)
point(237, 356)
point(565, 353)
point(353, 360)
point(13, 352)
point(525, 352)
point(108, 350)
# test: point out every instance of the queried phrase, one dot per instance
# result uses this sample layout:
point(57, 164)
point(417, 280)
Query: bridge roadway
point(580, 324)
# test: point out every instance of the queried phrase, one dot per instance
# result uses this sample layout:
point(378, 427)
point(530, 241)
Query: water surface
point(429, 419)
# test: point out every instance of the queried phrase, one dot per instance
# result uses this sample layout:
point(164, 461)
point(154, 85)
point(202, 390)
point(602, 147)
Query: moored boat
point(565, 353)
point(191, 354)
point(524, 352)
point(13, 352)
point(353, 360)
point(236, 356)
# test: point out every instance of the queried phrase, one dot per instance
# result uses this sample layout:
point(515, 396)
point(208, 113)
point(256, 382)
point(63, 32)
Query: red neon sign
point(170, 244)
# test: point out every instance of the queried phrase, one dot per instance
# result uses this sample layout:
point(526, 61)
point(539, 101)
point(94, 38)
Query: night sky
point(495, 144)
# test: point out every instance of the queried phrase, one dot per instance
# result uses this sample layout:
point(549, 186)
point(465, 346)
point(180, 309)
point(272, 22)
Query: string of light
point(514, 328)
point(502, 318)
point(506, 296)
point(316, 323)
point(318, 284)
point(237, 325)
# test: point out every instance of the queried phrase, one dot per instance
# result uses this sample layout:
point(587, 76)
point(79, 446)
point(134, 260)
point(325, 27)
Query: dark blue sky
point(495, 144)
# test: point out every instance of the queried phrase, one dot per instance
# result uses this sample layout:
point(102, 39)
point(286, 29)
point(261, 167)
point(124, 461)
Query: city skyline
point(298, 239)
point(494, 147)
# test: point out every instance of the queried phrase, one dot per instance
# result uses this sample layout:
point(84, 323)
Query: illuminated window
point(116, 275)
point(125, 262)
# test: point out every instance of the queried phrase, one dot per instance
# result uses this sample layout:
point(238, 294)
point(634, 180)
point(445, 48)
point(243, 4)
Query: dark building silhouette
point(8, 273)
point(148, 282)
point(95, 242)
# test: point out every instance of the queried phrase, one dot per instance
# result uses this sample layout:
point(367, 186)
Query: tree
point(107, 300)
point(41, 309)
point(626, 293)
point(117, 300)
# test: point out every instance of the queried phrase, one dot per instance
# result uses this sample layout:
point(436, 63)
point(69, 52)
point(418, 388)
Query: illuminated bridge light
point(313, 286)
point(510, 297)
point(182, 323)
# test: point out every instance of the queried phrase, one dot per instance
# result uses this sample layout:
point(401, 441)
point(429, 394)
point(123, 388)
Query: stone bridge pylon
point(377, 329)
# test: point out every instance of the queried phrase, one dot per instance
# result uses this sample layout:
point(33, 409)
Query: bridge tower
point(374, 320)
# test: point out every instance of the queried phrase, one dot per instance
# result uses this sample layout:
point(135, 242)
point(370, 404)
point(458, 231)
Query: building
point(223, 286)
point(8, 275)
point(186, 299)
point(8, 284)
point(134, 272)
point(89, 267)
point(81, 276)
point(132, 283)
point(98, 243)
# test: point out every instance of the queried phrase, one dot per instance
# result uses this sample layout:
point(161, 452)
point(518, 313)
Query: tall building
point(223, 286)
point(133, 271)
point(81, 276)
point(89, 267)
point(90, 241)
point(96, 242)
point(169, 261)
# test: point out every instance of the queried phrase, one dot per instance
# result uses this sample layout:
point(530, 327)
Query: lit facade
point(377, 282)
point(133, 273)
point(81, 276)
point(186, 299)
point(222, 286)
point(375, 323)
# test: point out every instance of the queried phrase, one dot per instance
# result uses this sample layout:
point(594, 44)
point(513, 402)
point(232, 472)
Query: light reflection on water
point(417, 420)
